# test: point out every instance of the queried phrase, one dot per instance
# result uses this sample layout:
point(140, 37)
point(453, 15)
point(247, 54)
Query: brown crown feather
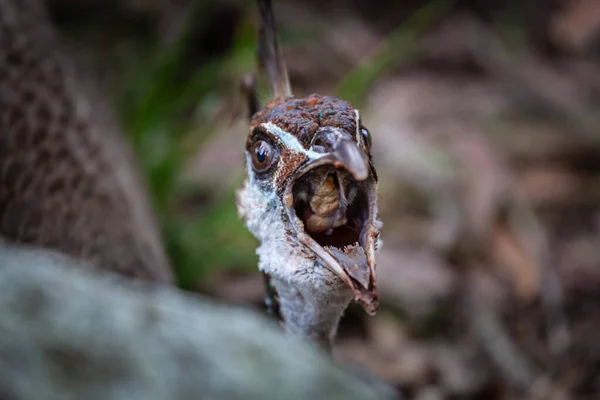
point(302, 117)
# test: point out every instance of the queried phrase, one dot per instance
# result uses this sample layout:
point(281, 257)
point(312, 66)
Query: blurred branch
point(525, 74)
point(68, 333)
point(513, 364)
point(401, 47)
point(487, 327)
point(534, 238)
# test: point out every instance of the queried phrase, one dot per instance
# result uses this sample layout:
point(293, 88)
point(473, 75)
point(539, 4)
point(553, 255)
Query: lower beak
point(352, 267)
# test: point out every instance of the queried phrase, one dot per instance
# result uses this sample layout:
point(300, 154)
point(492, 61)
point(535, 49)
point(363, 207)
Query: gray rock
point(68, 333)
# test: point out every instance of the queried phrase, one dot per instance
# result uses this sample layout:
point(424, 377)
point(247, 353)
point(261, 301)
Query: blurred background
point(486, 135)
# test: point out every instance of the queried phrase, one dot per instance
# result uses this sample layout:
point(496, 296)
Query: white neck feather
point(311, 312)
point(312, 298)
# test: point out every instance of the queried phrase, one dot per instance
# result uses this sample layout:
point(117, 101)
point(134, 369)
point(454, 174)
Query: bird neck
point(312, 312)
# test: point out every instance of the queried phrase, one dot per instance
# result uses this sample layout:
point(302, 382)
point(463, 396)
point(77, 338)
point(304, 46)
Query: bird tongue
point(354, 261)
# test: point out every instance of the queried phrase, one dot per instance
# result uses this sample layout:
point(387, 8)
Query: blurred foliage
point(399, 48)
point(169, 113)
point(212, 238)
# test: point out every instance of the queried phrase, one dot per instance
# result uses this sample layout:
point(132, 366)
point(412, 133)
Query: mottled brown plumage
point(68, 179)
point(302, 117)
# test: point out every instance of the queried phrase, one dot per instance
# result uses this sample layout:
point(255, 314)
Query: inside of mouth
point(354, 208)
point(334, 212)
point(344, 235)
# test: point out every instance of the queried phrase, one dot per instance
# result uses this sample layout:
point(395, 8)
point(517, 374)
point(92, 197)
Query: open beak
point(353, 256)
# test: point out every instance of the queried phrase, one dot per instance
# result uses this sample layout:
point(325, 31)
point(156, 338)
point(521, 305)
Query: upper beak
point(344, 152)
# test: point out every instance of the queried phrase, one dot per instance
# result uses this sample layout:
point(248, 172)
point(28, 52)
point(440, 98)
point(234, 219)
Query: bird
point(310, 198)
point(69, 181)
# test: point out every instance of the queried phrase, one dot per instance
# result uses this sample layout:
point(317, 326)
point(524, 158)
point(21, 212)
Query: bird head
point(310, 195)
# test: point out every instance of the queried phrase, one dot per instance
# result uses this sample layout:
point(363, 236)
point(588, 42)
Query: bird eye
point(262, 155)
point(366, 136)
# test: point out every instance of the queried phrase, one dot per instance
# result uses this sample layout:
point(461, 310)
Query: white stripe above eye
point(290, 141)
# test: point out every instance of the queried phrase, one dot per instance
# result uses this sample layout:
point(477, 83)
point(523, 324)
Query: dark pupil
point(261, 154)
